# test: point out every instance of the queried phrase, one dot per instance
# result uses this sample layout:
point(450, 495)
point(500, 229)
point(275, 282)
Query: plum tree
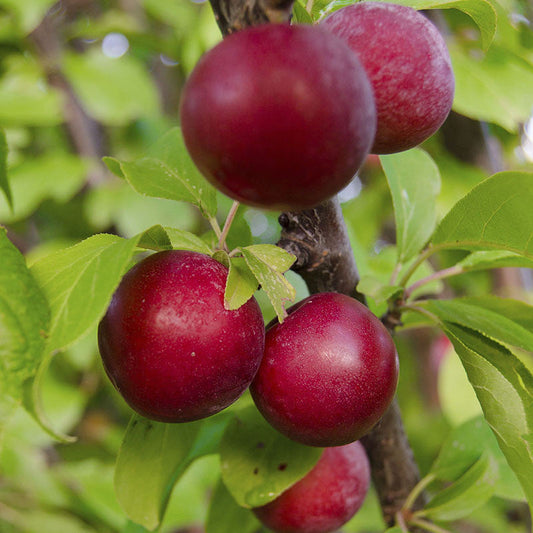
point(285, 126)
point(168, 344)
point(326, 498)
point(408, 64)
point(329, 371)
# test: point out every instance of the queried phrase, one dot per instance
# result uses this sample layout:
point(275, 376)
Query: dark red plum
point(278, 116)
point(329, 371)
point(326, 498)
point(408, 64)
point(168, 344)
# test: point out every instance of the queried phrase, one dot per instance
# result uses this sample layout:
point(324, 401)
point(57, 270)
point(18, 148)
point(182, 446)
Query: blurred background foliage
point(81, 79)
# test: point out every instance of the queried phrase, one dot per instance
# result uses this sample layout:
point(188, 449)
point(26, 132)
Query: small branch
point(441, 274)
point(227, 225)
point(428, 526)
point(235, 15)
point(428, 252)
point(213, 222)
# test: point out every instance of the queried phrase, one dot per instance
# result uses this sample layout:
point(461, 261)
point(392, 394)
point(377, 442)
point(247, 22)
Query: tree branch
point(234, 15)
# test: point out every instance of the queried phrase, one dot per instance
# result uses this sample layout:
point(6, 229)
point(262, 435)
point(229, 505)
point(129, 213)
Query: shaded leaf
point(4, 182)
point(493, 259)
point(152, 458)
point(468, 493)
point(257, 462)
point(464, 445)
point(155, 238)
point(504, 388)
point(414, 181)
point(224, 514)
point(24, 322)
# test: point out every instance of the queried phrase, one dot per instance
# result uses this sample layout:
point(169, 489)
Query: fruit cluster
point(282, 117)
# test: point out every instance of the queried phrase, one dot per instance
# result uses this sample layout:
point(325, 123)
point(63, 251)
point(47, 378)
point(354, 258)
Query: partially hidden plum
point(279, 116)
point(408, 64)
point(168, 344)
point(326, 498)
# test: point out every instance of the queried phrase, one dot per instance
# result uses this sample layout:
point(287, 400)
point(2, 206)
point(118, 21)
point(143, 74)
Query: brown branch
point(234, 15)
point(318, 237)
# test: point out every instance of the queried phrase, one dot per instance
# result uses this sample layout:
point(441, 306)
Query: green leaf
point(66, 176)
point(240, 285)
point(504, 388)
point(395, 529)
point(224, 514)
point(155, 238)
point(79, 282)
point(114, 166)
point(493, 87)
point(258, 463)
point(468, 493)
point(378, 291)
point(491, 323)
point(184, 240)
point(4, 182)
point(168, 172)
point(495, 215)
point(273, 282)
point(493, 259)
point(29, 13)
point(481, 12)
point(113, 91)
point(300, 14)
point(277, 258)
point(414, 182)
point(153, 456)
point(464, 445)
point(24, 322)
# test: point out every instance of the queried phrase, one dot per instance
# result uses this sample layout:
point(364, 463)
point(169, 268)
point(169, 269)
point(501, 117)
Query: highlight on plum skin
point(329, 371)
point(279, 117)
point(168, 344)
point(409, 67)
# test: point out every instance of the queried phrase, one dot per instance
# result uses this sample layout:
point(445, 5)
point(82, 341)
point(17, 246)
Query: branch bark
point(319, 239)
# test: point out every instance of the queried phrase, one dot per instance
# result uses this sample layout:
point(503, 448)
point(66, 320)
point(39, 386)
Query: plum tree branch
point(318, 237)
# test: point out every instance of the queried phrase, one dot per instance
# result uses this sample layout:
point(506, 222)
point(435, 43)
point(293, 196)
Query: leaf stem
point(395, 273)
point(400, 521)
point(428, 526)
point(417, 490)
point(227, 225)
point(440, 274)
point(428, 252)
point(422, 311)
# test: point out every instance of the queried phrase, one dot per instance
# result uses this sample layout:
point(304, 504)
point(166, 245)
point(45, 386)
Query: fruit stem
point(428, 526)
point(213, 222)
point(417, 490)
point(441, 274)
point(227, 226)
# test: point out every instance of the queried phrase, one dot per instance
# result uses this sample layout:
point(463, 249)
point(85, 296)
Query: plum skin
point(408, 65)
point(326, 498)
point(168, 344)
point(329, 371)
point(278, 117)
